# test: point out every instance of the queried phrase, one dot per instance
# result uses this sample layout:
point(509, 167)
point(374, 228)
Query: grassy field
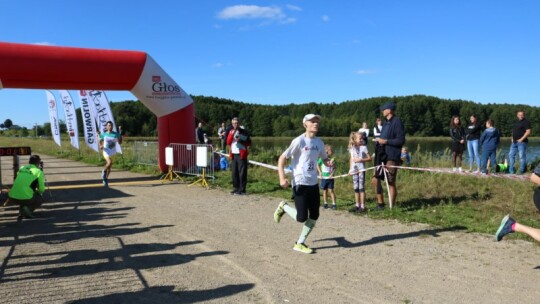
point(445, 200)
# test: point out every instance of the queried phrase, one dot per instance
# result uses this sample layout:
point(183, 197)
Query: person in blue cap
point(391, 141)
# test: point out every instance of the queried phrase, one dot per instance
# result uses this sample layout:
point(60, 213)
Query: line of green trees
point(422, 116)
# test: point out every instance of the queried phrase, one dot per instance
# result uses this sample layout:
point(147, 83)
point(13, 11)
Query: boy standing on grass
point(327, 175)
point(304, 150)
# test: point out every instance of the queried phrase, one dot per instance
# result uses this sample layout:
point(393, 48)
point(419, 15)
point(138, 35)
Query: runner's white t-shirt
point(305, 152)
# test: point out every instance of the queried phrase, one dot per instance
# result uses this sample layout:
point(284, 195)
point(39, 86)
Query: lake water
point(435, 146)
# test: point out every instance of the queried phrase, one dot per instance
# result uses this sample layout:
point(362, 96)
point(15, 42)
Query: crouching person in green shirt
point(28, 188)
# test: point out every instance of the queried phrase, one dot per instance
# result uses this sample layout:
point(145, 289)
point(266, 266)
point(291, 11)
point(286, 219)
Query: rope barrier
point(384, 168)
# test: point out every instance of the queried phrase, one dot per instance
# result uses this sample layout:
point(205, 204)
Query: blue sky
point(280, 52)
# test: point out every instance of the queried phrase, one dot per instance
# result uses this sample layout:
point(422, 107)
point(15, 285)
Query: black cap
point(388, 106)
point(34, 159)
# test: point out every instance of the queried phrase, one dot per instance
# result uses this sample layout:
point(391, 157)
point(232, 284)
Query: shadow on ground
point(166, 294)
point(342, 242)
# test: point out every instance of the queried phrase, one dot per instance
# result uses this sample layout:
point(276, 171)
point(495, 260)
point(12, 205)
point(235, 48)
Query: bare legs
point(532, 232)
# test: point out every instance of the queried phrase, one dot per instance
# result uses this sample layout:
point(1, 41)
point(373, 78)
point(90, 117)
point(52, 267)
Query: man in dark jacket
point(392, 139)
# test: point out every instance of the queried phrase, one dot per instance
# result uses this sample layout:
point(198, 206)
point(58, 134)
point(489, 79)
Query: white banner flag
point(53, 116)
point(103, 112)
point(71, 118)
point(89, 122)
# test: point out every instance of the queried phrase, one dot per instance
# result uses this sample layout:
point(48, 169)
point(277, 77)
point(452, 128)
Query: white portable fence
point(185, 159)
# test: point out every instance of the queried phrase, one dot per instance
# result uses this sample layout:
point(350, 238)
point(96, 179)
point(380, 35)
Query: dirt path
point(169, 243)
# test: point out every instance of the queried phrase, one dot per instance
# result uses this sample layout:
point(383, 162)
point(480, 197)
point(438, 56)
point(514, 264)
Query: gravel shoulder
point(141, 241)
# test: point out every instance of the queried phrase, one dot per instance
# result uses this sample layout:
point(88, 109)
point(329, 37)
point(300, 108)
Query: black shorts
point(307, 201)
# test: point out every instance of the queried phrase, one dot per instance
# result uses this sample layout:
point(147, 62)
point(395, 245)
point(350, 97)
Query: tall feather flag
point(103, 112)
point(53, 116)
point(89, 121)
point(71, 118)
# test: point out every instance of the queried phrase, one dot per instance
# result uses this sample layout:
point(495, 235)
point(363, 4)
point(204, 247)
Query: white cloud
point(294, 8)
point(251, 12)
point(268, 13)
point(325, 18)
point(44, 43)
point(365, 72)
point(218, 65)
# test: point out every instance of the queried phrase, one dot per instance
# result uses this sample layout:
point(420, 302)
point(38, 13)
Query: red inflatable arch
point(50, 67)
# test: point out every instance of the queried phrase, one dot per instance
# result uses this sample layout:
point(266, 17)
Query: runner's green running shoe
point(302, 248)
point(505, 227)
point(279, 211)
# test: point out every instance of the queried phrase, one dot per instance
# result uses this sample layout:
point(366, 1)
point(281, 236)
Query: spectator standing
point(473, 136)
point(358, 156)
point(378, 127)
point(520, 134)
point(221, 135)
point(392, 139)
point(239, 141)
point(199, 134)
point(365, 130)
point(457, 133)
point(327, 178)
point(489, 141)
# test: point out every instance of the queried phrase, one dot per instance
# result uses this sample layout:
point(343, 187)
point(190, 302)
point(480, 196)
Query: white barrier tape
point(257, 163)
point(349, 174)
point(443, 170)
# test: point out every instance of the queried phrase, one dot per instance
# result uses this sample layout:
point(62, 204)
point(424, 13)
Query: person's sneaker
point(379, 207)
point(460, 170)
point(239, 193)
point(302, 248)
point(505, 227)
point(454, 169)
point(476, 171)
point(234, 192)
point(360, 209)
point(334, 207)
point(279, 211)
point(325, 206)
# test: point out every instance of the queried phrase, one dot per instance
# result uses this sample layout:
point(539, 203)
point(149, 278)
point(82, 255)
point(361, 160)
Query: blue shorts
point(327, 184)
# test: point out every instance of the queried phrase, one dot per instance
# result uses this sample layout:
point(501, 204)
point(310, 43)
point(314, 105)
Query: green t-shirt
point(326, 171)
point(28, 178)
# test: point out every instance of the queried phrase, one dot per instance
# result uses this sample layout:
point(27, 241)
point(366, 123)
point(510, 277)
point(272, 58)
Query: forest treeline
point(422, 116)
